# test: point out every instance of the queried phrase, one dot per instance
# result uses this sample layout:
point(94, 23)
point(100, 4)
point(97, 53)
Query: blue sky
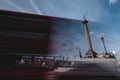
point(103, 17)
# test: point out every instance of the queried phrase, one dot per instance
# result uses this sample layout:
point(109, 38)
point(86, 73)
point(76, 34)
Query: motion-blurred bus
point(25, 33)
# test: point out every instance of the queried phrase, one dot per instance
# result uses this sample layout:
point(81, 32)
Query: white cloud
point(91, 33)
point(113, 1)
point(114, 52)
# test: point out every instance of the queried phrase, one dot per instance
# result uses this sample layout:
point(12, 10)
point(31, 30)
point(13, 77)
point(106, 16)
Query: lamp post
point(102, 38)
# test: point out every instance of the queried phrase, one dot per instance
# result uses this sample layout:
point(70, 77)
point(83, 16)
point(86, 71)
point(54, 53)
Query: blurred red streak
point(23, 72)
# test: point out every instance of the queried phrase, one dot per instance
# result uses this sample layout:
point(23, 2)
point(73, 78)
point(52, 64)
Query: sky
point(103, 17)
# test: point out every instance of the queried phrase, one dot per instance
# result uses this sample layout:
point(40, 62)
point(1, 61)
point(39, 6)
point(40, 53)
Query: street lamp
point(102, 38)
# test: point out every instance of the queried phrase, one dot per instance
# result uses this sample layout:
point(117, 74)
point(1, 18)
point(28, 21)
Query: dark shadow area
point(22, 73)
point(23, 33)
point(76, 77)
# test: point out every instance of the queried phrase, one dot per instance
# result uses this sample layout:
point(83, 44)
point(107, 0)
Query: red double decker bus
point(29, 33)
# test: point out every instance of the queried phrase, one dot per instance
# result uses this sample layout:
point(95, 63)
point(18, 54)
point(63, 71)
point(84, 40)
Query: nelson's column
point(90, 53)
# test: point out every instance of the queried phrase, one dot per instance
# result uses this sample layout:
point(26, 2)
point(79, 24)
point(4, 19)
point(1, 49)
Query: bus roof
point(26, 14)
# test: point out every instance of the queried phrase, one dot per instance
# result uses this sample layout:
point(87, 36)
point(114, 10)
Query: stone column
point(90, 52)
